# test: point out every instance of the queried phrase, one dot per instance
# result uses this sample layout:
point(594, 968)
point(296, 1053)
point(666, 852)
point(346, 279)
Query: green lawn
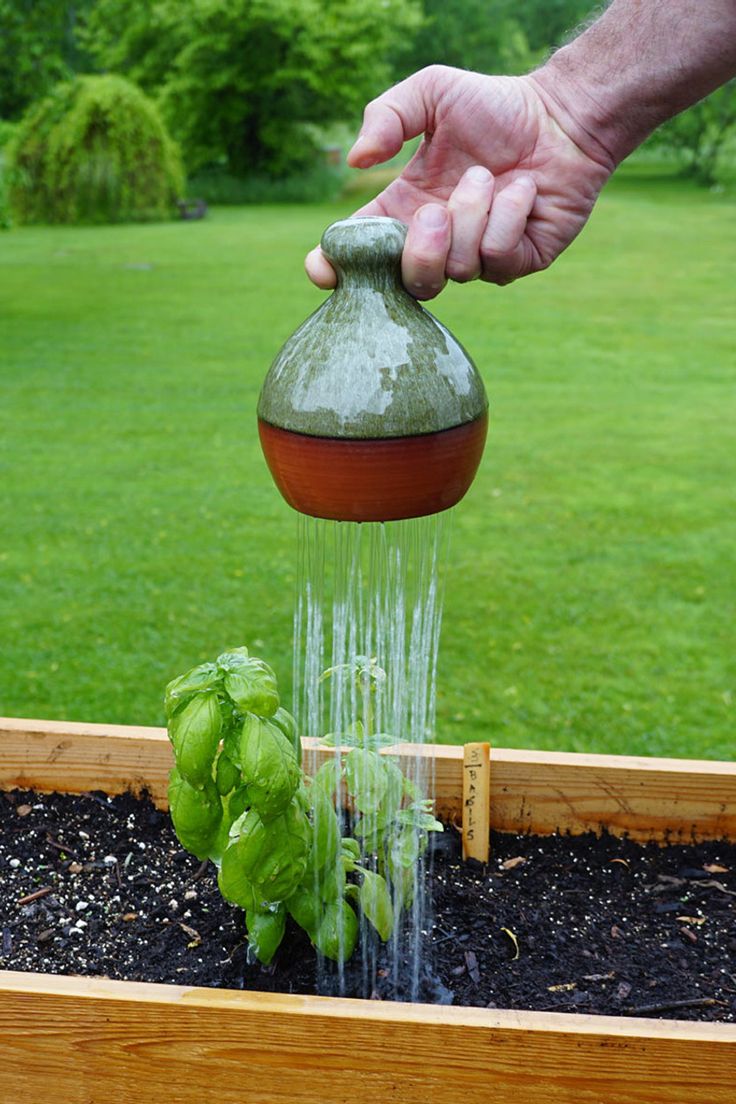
point(591, 597)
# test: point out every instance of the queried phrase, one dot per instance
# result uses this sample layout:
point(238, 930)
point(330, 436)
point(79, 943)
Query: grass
point(590, 601)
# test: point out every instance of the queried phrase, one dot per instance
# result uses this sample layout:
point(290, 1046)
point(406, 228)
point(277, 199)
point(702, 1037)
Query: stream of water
point(369, 610)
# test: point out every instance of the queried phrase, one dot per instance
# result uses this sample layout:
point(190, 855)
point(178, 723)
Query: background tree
point(547, 24)
point(701, 134)
point(243, 79)
point(38, 47)
point(95, 150)
point(491, 36)
point(483, 35)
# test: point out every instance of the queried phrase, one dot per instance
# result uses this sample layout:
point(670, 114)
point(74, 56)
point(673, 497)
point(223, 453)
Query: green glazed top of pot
point(370, 362)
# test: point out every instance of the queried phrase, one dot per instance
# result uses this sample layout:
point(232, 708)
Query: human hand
point(498, 188)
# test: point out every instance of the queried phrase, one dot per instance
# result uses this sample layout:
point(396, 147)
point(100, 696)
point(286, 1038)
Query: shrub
point(95, 150)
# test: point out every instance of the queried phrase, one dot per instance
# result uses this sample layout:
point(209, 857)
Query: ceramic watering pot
point(372, 410)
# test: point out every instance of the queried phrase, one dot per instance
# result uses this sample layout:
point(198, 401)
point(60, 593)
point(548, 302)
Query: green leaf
point(283, 718)
point(416, 817)
point(412, 790)
point(269, 765)
point(195, 733)
point(305, 907)
point(196, 814)
point(406, 847)
point(350, 849)
point(337, 932)
point(367, 779)
point(331, 883)
point(364, 671)
point(352, 893)
point(180, 690)
point(265, 931)
point(252, 686)
point(232, 881)
point(326, 843)
point(402, 879)
point(227, 774)
point(231, 736)
point(239, 802)
point(375, 901)
point(273, 855)
point(358, 738)
point(232, 659)
point(328, 779)
point(393, 796)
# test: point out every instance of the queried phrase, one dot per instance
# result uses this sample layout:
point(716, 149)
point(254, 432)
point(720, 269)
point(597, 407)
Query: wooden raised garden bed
point(86, 1040)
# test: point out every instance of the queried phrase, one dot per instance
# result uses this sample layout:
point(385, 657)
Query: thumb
point(388, 121)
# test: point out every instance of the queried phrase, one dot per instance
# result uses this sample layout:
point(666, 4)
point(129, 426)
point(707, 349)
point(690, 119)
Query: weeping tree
point(95, 150)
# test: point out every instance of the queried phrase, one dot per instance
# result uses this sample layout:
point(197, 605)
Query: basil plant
point(239, 797)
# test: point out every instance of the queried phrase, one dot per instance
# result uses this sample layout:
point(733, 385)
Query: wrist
point(591, 114)
point(640, 63)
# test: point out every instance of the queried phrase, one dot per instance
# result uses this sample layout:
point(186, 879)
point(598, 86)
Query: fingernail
point(479, 174)
point(432, 217)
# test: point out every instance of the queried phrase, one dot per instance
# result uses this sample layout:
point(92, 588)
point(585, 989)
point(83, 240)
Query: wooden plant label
point(476, 801)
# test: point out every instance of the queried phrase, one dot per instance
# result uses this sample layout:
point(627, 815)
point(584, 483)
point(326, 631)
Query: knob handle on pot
point(365, 248)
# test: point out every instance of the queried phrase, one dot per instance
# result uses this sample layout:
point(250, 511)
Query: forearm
point(641, 63)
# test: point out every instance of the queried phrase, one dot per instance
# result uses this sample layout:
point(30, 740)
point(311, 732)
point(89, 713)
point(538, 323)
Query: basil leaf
point(239, 802)
point(403, 879)
point(367, 779)
point(352, 893)
point(392, 798)
point(265, 931)
point(350, 853)
point(407, 846)
point(417, 817)
point(337, 932)
point(227, 774)
point(196, 814)
point(269, 766)
point(375, 901)
point(232, 881)
point(287, 724)
point(326, 833)
point(305, 907)
point(232, 659)
point(327, 779)
point(252, 686)
point(181, 689)
point(273, 856)
point(195, 734)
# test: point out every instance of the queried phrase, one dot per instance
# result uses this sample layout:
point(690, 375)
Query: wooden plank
point(531, 791)
point(72, 757)
point(83, 1041)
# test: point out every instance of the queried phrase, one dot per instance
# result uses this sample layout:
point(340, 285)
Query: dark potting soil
point(94, 885)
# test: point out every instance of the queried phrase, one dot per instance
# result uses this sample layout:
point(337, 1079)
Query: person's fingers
point(468, 205)
point(425, 251)
point(319, 269)
point(502, 246)
point(388, 121)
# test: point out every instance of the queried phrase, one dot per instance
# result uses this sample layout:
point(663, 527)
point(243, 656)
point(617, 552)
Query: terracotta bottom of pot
point(374, 479)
